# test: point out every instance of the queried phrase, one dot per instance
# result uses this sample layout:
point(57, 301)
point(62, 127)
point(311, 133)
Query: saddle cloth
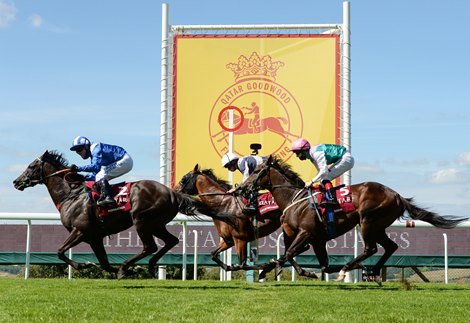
point(121, 193)
point(266, 203)
point(343, 196)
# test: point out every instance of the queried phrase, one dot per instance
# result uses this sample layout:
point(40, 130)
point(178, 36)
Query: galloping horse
point(212, 191)
point(376, 208)
point(153, 206)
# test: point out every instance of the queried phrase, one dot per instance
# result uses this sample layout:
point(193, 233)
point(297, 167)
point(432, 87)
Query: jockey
point(321, 156)
point(246, 165)
point(107, 162)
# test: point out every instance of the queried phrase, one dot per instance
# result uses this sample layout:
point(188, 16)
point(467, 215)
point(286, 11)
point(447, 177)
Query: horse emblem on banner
point(254, 105)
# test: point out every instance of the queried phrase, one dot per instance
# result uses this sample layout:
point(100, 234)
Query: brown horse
point(212, 191)
point(153, 206)
point(377, 207)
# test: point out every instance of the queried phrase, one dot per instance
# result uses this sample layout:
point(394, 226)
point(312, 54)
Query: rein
point(210, 194)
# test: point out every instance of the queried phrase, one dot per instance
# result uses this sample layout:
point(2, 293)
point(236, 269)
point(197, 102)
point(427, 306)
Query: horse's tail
point(193, 207)
point(417, 213)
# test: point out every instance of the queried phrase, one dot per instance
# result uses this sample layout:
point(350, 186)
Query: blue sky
point(93, 68)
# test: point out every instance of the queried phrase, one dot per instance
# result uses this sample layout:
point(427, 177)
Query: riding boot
point(252, 207)
point(106, 197)
point(330, 196)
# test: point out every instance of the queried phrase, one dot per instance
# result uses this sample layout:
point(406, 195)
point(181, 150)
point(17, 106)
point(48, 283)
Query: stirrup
point(106, 201)
point(249, 210)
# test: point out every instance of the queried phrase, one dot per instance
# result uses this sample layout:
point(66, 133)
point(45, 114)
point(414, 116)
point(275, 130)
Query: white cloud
point(7, 13)
point(36, 20)
point(447, 176)
point(464, 158)
point(368, 168)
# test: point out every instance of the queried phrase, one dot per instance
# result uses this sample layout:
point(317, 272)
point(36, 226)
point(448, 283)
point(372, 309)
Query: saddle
point(121, 193)
point(266, 204)
point(327, 212)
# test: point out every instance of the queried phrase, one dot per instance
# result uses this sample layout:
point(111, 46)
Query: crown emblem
point(255, 66)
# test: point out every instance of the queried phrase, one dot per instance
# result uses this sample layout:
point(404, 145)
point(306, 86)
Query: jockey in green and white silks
point(321, 156)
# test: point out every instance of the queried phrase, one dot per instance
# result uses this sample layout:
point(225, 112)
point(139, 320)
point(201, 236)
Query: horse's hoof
point(262, 280)
point(341, 276)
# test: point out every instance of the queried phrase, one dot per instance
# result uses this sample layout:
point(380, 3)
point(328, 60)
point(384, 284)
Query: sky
point(92, 68)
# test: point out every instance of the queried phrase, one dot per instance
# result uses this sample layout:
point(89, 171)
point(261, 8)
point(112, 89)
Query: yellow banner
point(269, 89)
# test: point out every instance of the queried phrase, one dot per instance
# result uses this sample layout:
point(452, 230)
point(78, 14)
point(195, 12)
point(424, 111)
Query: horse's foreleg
point(100, 253)
point(75, 237)
point(296, 248)
point(223, 245)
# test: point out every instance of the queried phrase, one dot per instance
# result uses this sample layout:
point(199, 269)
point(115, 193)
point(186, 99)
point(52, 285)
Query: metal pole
point(278, 251)
point(69, 266)
point(195, 255)
point(346, 108)
point(28, 250)
point(164, 99)
point(184, 252)
point(446, 260)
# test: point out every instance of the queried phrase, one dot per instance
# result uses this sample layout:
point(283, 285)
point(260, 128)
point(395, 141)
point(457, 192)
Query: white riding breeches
point(116, 169)
point(341, 166)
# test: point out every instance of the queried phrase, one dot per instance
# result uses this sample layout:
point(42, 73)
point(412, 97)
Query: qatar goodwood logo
point(255, 109)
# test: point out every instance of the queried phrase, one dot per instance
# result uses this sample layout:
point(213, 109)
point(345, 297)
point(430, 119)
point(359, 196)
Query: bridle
point(43, 177)
point(187, 180)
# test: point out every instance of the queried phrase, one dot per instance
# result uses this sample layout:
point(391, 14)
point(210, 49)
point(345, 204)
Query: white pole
point(164, 111)
point(278, 251)
point(70, 267)
point(184, 253)
point(346, 106)
point(28, 250)
point(164, 99)
point(195, 255)
point(446, 260)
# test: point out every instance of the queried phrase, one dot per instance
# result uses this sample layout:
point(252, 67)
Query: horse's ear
point(196, 168)
point(270, 159)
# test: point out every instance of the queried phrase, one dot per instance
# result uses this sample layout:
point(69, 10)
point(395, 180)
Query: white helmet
point(227, 158)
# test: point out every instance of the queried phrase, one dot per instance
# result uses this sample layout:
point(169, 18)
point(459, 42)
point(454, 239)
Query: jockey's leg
point(330, 192)
point(106, 195)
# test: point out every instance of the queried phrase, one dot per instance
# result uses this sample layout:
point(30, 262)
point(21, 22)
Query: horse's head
point(198, 181)
point(43, 167)
point(187, 184)
point(259, 178)
point(273, 172)
point(34, 174)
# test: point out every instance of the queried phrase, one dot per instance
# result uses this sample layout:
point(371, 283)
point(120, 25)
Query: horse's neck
point(283, 191)
point(218, 199)
point(58, 189)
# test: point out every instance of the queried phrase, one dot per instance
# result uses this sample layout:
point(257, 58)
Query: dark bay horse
point(153, 206)
point(212, 191)
point(377, 207)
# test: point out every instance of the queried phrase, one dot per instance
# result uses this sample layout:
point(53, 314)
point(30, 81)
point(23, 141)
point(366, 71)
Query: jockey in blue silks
point(107, 162)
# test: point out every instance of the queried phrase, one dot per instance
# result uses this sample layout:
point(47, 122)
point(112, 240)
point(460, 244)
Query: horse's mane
point(56, 158)
point(210, 173)
point(285, 169)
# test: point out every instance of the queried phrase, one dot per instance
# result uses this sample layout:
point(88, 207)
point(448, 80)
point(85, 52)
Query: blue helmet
point(79, 142)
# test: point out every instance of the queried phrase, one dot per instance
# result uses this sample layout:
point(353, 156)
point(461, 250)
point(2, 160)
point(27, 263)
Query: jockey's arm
point(322, 166)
